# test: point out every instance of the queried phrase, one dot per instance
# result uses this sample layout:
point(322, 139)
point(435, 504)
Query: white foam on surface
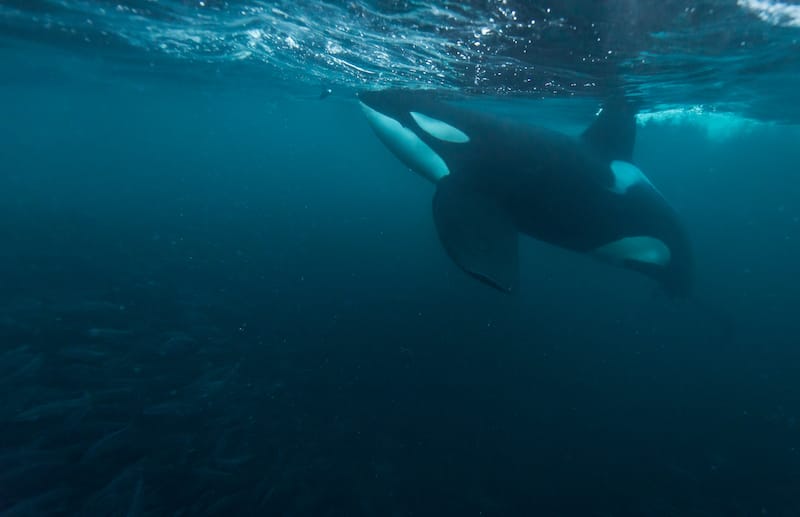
point(718, 126)
point(776, 13)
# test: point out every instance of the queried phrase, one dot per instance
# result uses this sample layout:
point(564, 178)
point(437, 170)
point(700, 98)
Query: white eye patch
point(438, 129)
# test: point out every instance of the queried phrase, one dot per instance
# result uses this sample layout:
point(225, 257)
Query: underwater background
point(221, 295)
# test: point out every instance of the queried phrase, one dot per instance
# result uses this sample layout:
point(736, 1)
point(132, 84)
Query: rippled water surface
point(732, 55)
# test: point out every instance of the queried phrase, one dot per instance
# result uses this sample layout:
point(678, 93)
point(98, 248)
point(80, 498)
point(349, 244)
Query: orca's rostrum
point(498, 178)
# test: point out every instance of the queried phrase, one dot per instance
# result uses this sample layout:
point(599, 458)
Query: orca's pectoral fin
point(479, 236)
point(613, 132)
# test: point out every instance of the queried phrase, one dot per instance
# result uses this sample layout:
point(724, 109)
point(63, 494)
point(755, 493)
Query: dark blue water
point(220, 295)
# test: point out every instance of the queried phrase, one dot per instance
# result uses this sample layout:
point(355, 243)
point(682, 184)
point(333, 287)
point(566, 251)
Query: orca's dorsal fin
point(613, 132)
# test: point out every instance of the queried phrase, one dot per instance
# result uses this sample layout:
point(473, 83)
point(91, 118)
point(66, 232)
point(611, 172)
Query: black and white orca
point(498, 178)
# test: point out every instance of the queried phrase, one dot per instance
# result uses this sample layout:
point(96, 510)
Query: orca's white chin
point(404, 143)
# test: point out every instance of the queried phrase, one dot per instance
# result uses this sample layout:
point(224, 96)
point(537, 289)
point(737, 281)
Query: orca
point(496, 179)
